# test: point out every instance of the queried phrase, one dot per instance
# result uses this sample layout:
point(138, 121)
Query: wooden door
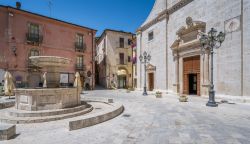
point(151, 81)
point(191, 65)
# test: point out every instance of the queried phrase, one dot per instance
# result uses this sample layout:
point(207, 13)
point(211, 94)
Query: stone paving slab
point(148, 120)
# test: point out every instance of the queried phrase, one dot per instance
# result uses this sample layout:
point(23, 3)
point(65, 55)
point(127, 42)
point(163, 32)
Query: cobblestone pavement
point(148, 120)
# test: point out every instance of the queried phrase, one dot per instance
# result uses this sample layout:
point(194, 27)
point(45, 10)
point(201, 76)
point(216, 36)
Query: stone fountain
point(50, 102)
point(50, 96)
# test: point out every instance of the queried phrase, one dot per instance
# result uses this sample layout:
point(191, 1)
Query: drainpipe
point(242, 56)
point(131, 59)
point(140, 64)
point(92, 59)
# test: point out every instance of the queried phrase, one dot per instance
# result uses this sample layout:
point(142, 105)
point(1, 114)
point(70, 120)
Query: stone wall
point(246, 48)
point(157, 49)
point(227, 78)
point(231, 60)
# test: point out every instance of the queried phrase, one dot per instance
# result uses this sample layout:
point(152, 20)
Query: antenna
point(50, 5)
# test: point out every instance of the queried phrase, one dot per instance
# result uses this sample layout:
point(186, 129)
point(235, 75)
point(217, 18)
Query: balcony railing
point(34, 38)
point(80, 47)
point(80, 67)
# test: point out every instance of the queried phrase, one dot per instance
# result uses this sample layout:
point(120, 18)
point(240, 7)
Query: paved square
point(148, 120)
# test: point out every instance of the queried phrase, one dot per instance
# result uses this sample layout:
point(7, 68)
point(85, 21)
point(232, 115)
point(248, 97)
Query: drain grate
point(226, 102)
point(126, 115)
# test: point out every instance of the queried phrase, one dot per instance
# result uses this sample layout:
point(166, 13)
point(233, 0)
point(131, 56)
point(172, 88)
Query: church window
point(150, 36)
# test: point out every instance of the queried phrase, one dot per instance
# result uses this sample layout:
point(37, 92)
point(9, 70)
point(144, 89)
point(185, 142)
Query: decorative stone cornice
point(165, 14)
point(178, 6)
point(151, 67)
point(188, 36)
point(191, 26)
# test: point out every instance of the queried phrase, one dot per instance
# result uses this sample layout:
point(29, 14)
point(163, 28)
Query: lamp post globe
point(208, 43)
point(144, 59)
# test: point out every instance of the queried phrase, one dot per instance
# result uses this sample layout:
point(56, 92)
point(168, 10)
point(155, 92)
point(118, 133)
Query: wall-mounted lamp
point(13, 48)
point(11, 14)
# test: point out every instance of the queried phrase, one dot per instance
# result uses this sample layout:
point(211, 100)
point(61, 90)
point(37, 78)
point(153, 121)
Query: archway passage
point(122, 78)
point(191, 75)
point(122, 81)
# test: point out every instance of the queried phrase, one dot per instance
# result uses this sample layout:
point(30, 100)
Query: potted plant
point(183, 98)
point(128, 90)
point(158, 94)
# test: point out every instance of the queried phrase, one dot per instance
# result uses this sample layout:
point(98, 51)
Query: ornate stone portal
point(191, 68)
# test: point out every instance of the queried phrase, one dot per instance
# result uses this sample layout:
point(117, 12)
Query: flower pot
point(183, 99)
point(158, 95)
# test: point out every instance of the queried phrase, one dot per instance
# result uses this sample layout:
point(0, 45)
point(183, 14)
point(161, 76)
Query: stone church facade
point(171, 35)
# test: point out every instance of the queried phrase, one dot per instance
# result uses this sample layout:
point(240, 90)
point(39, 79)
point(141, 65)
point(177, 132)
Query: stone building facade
point(24, 34)
point(134, 62)
point(114, 59)
point(171, 35)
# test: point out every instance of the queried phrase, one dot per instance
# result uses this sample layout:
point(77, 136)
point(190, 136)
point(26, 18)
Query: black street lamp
point(145, 58)
point(208, 43)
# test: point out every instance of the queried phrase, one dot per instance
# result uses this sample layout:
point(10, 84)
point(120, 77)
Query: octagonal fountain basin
point(47, 98)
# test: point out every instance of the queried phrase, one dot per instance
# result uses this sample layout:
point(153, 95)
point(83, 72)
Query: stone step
point(26, 120)
point(4, 105)
point(7, 131)
point(96, 118)
point(21, 113)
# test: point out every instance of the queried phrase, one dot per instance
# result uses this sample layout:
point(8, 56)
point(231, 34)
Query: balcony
point(80, 67)
point(80, 47)
point(34, 39)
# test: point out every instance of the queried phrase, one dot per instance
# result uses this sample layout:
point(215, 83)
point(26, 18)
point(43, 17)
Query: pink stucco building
point(24, 34)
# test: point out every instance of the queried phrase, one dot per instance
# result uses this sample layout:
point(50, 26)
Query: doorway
point(122, 82)
point(191, 75)
point(192, 78)
point(151, 81)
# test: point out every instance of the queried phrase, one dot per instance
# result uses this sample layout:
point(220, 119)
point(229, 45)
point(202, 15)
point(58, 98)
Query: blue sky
point(126, 15)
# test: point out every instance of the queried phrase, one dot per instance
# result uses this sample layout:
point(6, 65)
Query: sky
point(126, 15)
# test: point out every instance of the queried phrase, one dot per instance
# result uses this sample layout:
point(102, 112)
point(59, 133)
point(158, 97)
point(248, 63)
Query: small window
point(150, 36)
point(121, 58)
point(121, 42)
point(79, 39)
point(129, 59)
point(33, 29)
point(79, 61)
point(130, 42)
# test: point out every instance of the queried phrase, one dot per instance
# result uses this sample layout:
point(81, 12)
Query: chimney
point(18, 5)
